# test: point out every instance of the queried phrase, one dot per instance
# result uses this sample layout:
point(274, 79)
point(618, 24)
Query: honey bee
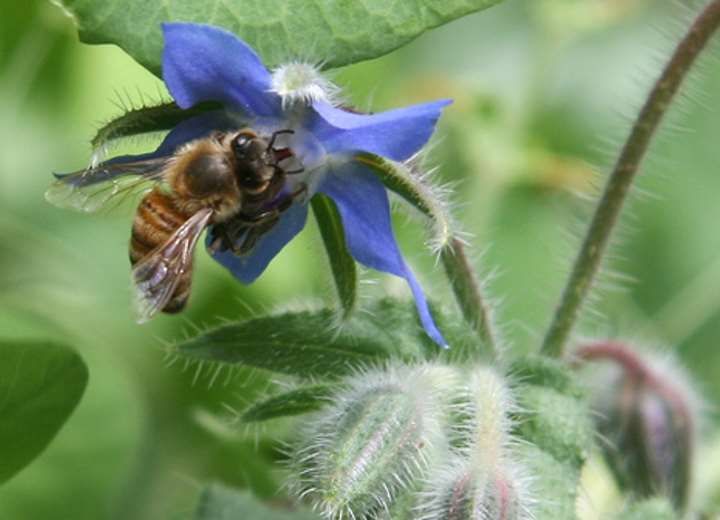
point(233, 182)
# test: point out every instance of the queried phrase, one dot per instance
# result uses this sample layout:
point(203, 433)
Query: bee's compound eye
point(241, 145)
point(208, 174)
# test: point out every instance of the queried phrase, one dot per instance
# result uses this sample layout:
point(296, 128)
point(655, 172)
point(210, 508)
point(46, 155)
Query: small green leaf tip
point(648, 412)
point(377, 437)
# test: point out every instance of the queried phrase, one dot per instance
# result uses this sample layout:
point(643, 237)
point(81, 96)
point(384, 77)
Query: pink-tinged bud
point(647, 415)
point(468, 489)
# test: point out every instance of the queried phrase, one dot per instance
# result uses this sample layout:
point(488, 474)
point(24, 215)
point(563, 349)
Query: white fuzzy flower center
point(301, 83)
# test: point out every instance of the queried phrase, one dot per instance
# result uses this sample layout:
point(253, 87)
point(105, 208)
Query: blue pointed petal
point(396, 134)
point(247, 268)
point(205, 63)
point(363, 204)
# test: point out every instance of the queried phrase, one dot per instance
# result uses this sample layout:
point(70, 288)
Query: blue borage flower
point(204, 63)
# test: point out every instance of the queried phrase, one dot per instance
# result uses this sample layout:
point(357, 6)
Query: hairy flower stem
point(607, 212)
point(468, 294)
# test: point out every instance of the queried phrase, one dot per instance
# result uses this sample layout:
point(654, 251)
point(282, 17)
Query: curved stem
point(607, 212)
point(468, 293)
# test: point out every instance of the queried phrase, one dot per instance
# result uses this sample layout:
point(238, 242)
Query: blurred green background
point(544, 91)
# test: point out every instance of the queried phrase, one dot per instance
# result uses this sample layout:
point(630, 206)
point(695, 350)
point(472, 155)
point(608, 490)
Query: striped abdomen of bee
point(157, 218)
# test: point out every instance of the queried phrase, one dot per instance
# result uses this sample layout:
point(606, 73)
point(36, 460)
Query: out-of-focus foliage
point(543, 89)
point(40, 385)
point(656, 508)
point(220, 503)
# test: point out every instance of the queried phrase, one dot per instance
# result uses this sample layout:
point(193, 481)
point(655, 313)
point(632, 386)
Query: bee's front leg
point(222, 239)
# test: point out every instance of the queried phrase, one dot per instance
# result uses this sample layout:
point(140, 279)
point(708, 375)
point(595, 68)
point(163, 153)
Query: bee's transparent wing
point(91, 189)
point(157, 275)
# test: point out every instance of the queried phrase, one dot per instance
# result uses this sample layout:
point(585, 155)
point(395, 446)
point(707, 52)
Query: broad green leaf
point(342, 263)
point(332, 32)
point(313, 343)
point(40, 385)
point(221, 503)
point(295, 402)
point(554, 421)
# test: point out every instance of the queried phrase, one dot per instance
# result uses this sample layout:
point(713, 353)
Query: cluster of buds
point(426, 442)
point(647, 414)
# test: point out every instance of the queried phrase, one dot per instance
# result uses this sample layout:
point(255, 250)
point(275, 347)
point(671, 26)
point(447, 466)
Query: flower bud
point(466, 489)
point(480, 479)
point(647, 414)
point(374, 440)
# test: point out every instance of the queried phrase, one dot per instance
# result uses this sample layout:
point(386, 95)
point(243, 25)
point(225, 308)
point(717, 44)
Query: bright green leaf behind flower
point(40, 385)
point(334, 32)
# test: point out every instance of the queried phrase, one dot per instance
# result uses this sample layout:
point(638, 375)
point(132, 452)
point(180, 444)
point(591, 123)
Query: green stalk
point(606, 215)
point(468, 291)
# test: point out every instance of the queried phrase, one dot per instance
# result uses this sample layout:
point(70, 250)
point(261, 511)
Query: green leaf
point(332, 32)
point(554, 419)
point(341, 262)
point(40, 385)
point(312, 343)
point(147, 119)
point(294, 402)
point(221, 503)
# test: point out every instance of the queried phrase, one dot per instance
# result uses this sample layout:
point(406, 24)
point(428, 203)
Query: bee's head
point(251, 160)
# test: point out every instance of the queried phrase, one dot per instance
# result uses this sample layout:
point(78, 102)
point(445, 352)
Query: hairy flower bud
point(373, 441)
point(480, 479)
point(466, 489)
point(647, 414)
